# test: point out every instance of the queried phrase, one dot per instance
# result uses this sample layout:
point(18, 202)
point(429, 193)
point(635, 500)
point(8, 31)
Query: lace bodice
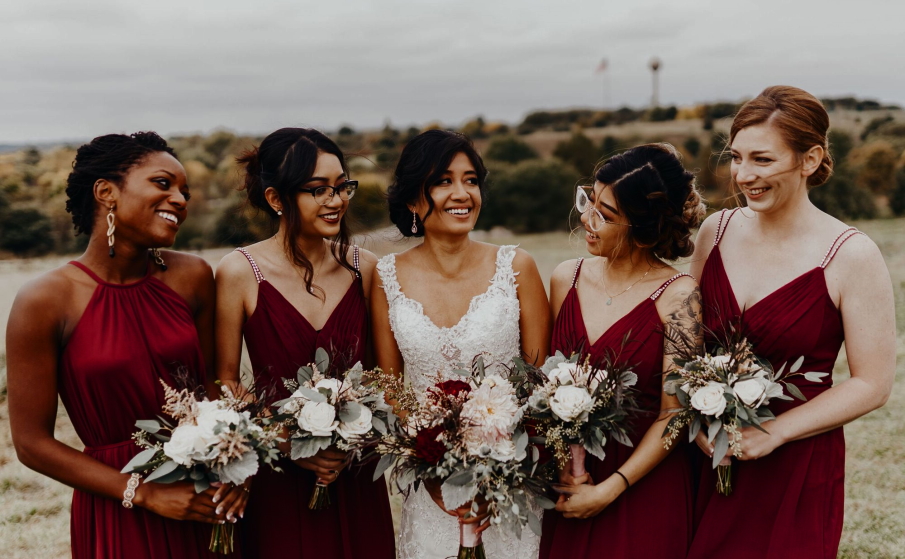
point(489, 328)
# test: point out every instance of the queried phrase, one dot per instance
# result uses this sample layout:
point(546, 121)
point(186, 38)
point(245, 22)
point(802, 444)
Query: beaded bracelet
point(129, 493)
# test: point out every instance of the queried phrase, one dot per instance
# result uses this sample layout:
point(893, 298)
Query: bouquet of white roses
point(467, 435)
point(348, 413)
point(213, 441)
point(575, 405)
point(724, 392)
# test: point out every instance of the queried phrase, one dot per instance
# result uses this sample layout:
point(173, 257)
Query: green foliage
point(609, 146)
point(842, 198)
point(877, 171)
point(531, 196)
point(475, 128)
point(368, 209)
point(241, 224)
point(874, 125)
point(693, 146)
point(32, 156)
point(897, 198)
point(841, 143)
point(580, 152)
point(586, 118)
point(509, 149)
point(662, 114)
point(26, 232)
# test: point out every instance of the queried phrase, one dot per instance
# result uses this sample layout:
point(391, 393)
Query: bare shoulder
point(523, 261)
point(233, 265)
point(184, 263)
point(367, 260)
point(679, 290)
point(47, 296)
point(858, 256)
point(681, 301)
point(708, 230)
point(562, 274)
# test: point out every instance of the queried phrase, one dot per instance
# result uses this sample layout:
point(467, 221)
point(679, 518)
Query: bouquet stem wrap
point(470, 544)
point(724, 480)
point(222, 539)
point(578, 455)
point(320, 499)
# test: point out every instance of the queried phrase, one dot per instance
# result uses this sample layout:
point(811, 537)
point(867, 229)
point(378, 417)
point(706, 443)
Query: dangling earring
point(111, 227)
point(414, 223)
point(155, 252)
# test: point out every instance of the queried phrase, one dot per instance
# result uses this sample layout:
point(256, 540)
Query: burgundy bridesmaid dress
point(129, 337)
point(653, 518)
point(277, 520)
point(789, 503)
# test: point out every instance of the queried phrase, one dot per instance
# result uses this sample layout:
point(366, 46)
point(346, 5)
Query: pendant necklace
point(610, 298)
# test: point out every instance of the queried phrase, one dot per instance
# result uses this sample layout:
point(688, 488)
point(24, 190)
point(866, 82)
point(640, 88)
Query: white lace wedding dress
point(489, 328)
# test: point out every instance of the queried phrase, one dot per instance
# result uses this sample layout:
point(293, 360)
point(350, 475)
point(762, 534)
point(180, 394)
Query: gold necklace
point(610, 298)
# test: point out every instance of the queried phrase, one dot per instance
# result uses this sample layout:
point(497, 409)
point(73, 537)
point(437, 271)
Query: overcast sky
point(73, 69)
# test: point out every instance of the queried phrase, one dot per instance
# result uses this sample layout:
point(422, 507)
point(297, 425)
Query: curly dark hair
point(658, 196)
point(423, 161)
point(106, 157)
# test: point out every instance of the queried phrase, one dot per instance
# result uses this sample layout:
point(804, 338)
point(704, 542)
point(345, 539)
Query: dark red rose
point(454, 387)
point(427, 447)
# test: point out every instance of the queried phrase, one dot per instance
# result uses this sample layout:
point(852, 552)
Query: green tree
point(692, 146)
point(240, 224)
point(841, 143)
point(842, 198)
point(475, 128)
point(26, 232)
point(509, 149)
point(529, 197)
point(369, 207)
point(609, 146)
point(580, 152)
point(878, 168)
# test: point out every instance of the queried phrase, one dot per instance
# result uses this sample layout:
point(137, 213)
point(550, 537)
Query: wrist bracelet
point(625, 479)
point(129, 493)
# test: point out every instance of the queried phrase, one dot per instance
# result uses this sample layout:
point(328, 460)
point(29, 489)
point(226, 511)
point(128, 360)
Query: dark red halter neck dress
point(129, 337)
point(653, 518)
point(789, 503)
point(277, 520)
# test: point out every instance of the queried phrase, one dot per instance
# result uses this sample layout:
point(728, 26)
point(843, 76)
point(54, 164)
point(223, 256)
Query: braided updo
point(658, 197)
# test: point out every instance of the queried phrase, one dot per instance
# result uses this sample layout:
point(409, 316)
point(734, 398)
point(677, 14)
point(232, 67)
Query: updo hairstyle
point(422, 163)
point(108, 157)
point(657, 196)
point(800, 118)
point(285, 161)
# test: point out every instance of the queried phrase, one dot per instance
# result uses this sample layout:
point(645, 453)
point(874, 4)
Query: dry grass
point(34, 510)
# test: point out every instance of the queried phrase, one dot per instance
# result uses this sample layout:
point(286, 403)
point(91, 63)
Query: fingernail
point(216, 499)
point(229, 516)
point(242, 514)
point(219, 511)
point(332, 471)
point(221, 522)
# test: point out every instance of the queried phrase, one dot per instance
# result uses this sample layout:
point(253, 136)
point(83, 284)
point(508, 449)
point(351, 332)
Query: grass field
point(34, 510)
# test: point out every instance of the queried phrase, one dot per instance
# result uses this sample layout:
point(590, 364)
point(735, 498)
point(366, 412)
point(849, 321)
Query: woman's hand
point(586, 501)
point(179, 501)
point(754, 443)
point(232, 499)
point(467, 516)
point(326, 464)
point(707, 448)
point(566, 478)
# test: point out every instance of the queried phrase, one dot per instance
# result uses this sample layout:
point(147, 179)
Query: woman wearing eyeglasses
point(637, 216)
point(300, 290)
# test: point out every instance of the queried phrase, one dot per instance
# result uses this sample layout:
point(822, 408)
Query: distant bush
point(662, 114)
point(368, 209)
point(580, 152)
point(842, 198)
point(532, 196)
point(693, 146)
point(509, 149)
point(26, 232)
point(877, 167)
point(240, 224)
point(897, 198)
point(874, 125)
point(841, 144)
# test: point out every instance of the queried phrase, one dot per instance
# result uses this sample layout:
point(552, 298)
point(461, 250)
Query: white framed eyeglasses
point(583, 204)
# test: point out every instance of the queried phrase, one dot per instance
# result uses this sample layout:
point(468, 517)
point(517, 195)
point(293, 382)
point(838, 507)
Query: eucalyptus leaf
point(682, 397)
point(720, 447)
point(694, 428)
point(308, 447)
point(350, 412)
point(814, 376)
point(620, 437)
point(521, 442)
point(163, 470)
point(713, 429)
point(454, 496)
point(797, 365)
point(322, 360)
point(544, 503)
point(178, 474)
point(534, 523)
point(304, 374)
point(383, 465)
point(794, 391)
point(595, 449)
point(140, 459)
point(379, 424)
point(201, 485)
point(149, 425)
point(313, 395)
point(462, 477)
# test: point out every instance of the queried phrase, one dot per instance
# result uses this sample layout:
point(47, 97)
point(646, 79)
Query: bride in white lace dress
point(445, 301)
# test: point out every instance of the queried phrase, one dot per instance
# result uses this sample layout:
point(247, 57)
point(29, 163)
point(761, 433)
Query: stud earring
point(111, 227)
point(155, 252)
point(279, 212)
point(414, 223)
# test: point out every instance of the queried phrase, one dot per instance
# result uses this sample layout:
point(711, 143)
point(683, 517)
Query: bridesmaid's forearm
point(648, 454)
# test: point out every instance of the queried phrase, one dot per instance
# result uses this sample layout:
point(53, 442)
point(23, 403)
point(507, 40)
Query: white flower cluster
point(754, 391)
point(490, 415)
point(569, 390)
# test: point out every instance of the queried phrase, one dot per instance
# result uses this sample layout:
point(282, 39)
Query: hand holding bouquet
point(724, 392)
point(324, 412)
point(217, 441)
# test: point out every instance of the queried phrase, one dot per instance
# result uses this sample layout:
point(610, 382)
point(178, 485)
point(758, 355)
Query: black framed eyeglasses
point(323, 194)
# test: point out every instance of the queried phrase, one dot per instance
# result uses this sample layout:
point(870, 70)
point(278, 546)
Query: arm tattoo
point(685, 326)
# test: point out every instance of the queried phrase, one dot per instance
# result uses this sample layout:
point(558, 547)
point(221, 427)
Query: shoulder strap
point(722, 225)
point(667, 283)
point(837, 244)
point(259, 277)
point(356, 261)
point(386, 270)
point(88, 271)
point(577, 271)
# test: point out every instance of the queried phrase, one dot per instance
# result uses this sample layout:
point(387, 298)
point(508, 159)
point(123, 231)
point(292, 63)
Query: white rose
point(503, 451)
point(565, 373)
point(212, 413)
point(319, 418)
point(237, 471)
point(186, 442)
point(750, 391)
point(709, 399)
point(358, 427)
point(570, 403)
point(332, 384)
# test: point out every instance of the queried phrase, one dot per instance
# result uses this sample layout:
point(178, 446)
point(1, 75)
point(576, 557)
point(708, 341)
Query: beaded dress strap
point(259, 277)
point(577, 271)
point(667, 283)
point(837, 244)
point(721, 227)
point(356, 261)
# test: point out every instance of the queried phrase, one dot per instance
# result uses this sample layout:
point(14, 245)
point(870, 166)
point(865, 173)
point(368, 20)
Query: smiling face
point(456, 197)
point(610, 234)
point(322, 220)
point(767, 170)
point(151, 202)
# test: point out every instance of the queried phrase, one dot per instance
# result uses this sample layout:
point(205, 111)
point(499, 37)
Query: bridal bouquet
point(575, 405)
point(348, 413)
point(724, 392)
point(467, 435)
point(213, 441)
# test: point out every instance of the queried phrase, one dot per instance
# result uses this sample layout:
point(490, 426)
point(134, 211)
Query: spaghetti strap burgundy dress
point(277, 520)
point(790, 502)
point(129, 338)
point(653, 518)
